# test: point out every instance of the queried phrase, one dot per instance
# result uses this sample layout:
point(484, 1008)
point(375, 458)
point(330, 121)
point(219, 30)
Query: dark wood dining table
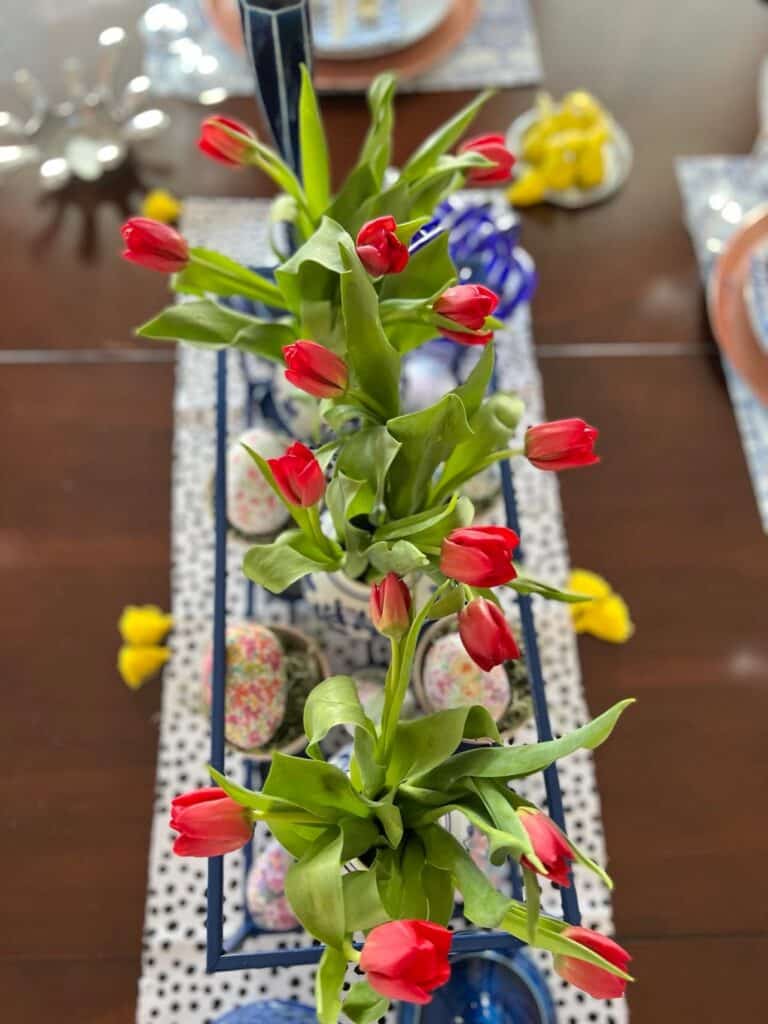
point(669, 517)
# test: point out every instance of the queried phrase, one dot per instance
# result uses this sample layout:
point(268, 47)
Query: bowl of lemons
point(570, 153)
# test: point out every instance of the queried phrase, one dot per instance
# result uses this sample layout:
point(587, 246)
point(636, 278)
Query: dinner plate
point(343, 30)
point(729, 315)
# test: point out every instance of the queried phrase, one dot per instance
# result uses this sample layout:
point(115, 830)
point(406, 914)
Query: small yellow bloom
point(161, 205)
point(144, 625)
point(606, 616)
point(137, 665)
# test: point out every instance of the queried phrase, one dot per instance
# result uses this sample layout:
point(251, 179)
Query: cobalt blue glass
point(488, 988)
point(278, 40)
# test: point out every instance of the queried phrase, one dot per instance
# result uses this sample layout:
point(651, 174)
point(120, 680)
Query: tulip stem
point(350, 952)
point(449, 484)
point(399, 675)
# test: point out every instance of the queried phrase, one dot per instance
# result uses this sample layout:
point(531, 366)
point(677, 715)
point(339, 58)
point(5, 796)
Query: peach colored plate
point(348, 75)
point(728, 313)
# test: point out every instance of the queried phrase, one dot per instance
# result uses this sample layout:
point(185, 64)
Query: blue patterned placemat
point(187, 58)
point(718, 191)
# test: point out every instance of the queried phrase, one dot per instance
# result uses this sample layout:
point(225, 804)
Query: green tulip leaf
point(439, 890)
point(426, 742)
point(400, 557)
point(363, 1005)
point(427, 438)
point(484, 905)
point(315, 170)
point(526, 585)
point(377, 147)
point(517, 762)
point(374, 363)
point(323, 789)
point(432, 148)
point(209, 271)
point(276, 566)
point(331, 972)
point(314, 890)
point(363, 908)
point(333, 702)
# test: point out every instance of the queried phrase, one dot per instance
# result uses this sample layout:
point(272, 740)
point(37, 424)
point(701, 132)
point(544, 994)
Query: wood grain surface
point(669, 517)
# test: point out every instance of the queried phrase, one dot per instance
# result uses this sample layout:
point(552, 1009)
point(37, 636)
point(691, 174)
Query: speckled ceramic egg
point(265, 889)
point(253, 508)
point(255, 685)
point(426, 377)
point(450, 679)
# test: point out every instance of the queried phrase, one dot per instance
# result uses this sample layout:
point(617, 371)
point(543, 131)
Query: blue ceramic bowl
point(270, 1011)
point(488, 988)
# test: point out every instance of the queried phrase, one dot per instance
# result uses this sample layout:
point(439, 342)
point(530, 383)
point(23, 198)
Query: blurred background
point(620, 322)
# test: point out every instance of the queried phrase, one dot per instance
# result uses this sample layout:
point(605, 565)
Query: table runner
point(501, 50)
point(718, 192)
point(174, 988)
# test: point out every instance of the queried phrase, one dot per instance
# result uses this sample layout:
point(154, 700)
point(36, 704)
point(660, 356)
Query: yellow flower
point(144, 625)
point(161, 205)
point(606, 616)
point(137, 665)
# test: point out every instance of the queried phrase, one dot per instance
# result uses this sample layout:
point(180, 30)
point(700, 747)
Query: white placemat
point(501, 50)
point(718, 192)
point(174, 988)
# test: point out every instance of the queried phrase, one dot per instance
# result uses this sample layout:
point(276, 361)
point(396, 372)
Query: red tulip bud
point(379, 248)
point(407, 960)
point(589, 978)
point(562, 444)
point(390, 606)
point(154, 245)
point(486, 635)
point(479, 555)
point(468, 305)
point(492, 147)
point(315, 369)
point(210, 822)
point(220, 145)
point(298, 476)
point(549, 844)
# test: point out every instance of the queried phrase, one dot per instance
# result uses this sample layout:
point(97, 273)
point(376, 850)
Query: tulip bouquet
point(382, 502)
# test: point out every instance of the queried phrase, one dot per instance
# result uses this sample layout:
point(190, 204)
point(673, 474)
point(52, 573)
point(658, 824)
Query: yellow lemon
point(528, 189)
point(137, 665)
point(161, 205)
point(144, 625)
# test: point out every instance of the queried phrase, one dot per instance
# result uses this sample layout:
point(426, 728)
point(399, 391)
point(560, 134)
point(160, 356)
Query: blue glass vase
point(278, 40)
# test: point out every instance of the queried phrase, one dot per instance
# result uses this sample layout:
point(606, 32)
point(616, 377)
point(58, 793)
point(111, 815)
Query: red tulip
point(479, 555)
point(468, 305)
point(379, 248)
point(210, 822)
point(390, 606)
point(492, 147)
point(594, 980)
point(154, 245)
point(486, 635)
point(407, 960)
point(549, 844)
point(562, 444)
point(298, 475)
point(219, 145)
point(315, 369)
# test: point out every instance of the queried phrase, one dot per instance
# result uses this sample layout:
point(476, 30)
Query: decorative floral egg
point(265, 889)
point(253, 508)
point(255, 685)
point(484, 487)
point(451, 679)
